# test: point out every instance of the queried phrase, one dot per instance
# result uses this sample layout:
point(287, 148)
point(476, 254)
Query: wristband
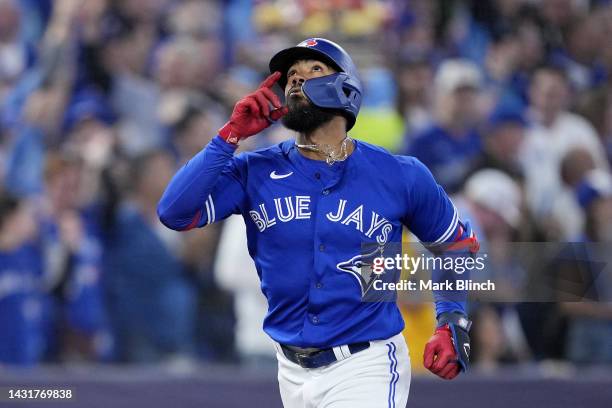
point(459, 327)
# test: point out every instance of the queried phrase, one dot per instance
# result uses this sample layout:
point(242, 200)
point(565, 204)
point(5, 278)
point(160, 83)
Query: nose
point(297, 80)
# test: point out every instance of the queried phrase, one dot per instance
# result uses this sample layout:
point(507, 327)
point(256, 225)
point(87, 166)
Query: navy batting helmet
point(341, 90)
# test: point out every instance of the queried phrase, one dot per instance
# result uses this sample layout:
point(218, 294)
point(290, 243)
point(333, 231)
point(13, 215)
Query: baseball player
point(309, 204)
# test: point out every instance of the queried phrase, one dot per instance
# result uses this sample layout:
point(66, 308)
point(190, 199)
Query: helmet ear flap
point(344, 95)
point(353, 96)
point(334, 91)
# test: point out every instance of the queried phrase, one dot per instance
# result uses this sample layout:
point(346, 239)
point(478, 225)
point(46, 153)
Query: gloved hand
point(448, 351)
point(252, 114)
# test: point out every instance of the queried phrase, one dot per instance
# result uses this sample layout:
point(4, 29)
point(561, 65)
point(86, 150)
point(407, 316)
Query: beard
point(304, 117)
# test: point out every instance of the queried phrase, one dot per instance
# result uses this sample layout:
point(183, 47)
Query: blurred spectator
point(182, 67)
point(533, 53)
point(557, 17)
point(35, 108)
point(590, 323)
point(417, 36)
point(193, 122)
point(580, 57)
point(575, 165)
point(196, 19)
point(414, 76)
point(39, 128)
point(138, 127)
point(235, 272)
point(144, 12)
point(21, 290)
point(577, 275)
point(216, 322)
point(15, 54)
point(476, 25)
point(596, 107)
point(451, 145)
point(594, 194)
point(502, 139)
point(493, 202)
point(604, 14)
point(554, 131)
point(502, 76)
point(151, 302)
point(183, 64)
point(379, 121)
point(71, 242)
point(90, 135)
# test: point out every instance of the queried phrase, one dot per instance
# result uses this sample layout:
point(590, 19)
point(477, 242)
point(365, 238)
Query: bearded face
point(303, 116)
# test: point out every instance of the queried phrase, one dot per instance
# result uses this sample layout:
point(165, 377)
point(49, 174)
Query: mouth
point(295, 92)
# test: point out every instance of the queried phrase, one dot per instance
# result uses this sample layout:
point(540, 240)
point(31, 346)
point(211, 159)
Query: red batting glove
point(252, 114)
point(440, 356)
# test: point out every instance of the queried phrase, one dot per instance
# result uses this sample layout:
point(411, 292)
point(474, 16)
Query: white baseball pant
point(378, 377)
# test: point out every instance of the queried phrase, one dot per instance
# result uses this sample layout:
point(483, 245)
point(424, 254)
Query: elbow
point(165, 218)
point(175, 222)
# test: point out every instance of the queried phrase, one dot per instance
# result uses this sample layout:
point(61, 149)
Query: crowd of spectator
point(508, 102)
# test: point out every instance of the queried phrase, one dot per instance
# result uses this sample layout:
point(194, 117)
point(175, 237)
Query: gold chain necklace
point(331, 156)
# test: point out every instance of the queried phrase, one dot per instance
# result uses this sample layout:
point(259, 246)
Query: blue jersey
point(304, 220)
point(21, 306)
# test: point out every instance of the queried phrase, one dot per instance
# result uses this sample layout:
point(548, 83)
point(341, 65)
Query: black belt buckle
point(302, 359)
point(319, 358)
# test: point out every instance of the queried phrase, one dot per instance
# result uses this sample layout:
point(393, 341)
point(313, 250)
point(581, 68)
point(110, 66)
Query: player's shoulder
point(268, 153)
point(380, 156)
point(374, 154)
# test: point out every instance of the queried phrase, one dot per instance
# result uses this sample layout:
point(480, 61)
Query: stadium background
point(509, 102)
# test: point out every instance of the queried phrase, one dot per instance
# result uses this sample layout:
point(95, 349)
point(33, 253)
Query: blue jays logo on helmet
point(341, 90)
point(311, 42)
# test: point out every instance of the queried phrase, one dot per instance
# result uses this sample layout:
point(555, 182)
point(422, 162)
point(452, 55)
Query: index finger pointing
point(271, 80)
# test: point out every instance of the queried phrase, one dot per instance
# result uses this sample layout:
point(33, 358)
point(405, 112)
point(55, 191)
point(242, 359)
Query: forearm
point(448, 301)
point(446, 306)
point(182, 204)
point(462, 244)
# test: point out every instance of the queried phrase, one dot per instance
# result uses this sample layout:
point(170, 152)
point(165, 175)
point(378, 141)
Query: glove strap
point(226, 134)
point(454, 318)
point(459, 326)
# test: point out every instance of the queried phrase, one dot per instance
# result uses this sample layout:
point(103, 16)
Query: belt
point(323, 357)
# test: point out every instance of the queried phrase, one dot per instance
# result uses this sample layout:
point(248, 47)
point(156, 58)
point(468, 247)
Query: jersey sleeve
point(433, 218)
point(430, 214)
point(208, 188)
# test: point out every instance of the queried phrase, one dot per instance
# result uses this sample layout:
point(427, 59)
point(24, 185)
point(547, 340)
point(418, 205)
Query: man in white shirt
point(235, 272)
point(553, 133)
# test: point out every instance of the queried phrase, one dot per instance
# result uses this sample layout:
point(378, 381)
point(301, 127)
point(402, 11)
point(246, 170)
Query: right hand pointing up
point(252, 114)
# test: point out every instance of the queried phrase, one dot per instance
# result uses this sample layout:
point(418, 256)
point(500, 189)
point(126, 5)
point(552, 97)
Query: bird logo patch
point(360, 266)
